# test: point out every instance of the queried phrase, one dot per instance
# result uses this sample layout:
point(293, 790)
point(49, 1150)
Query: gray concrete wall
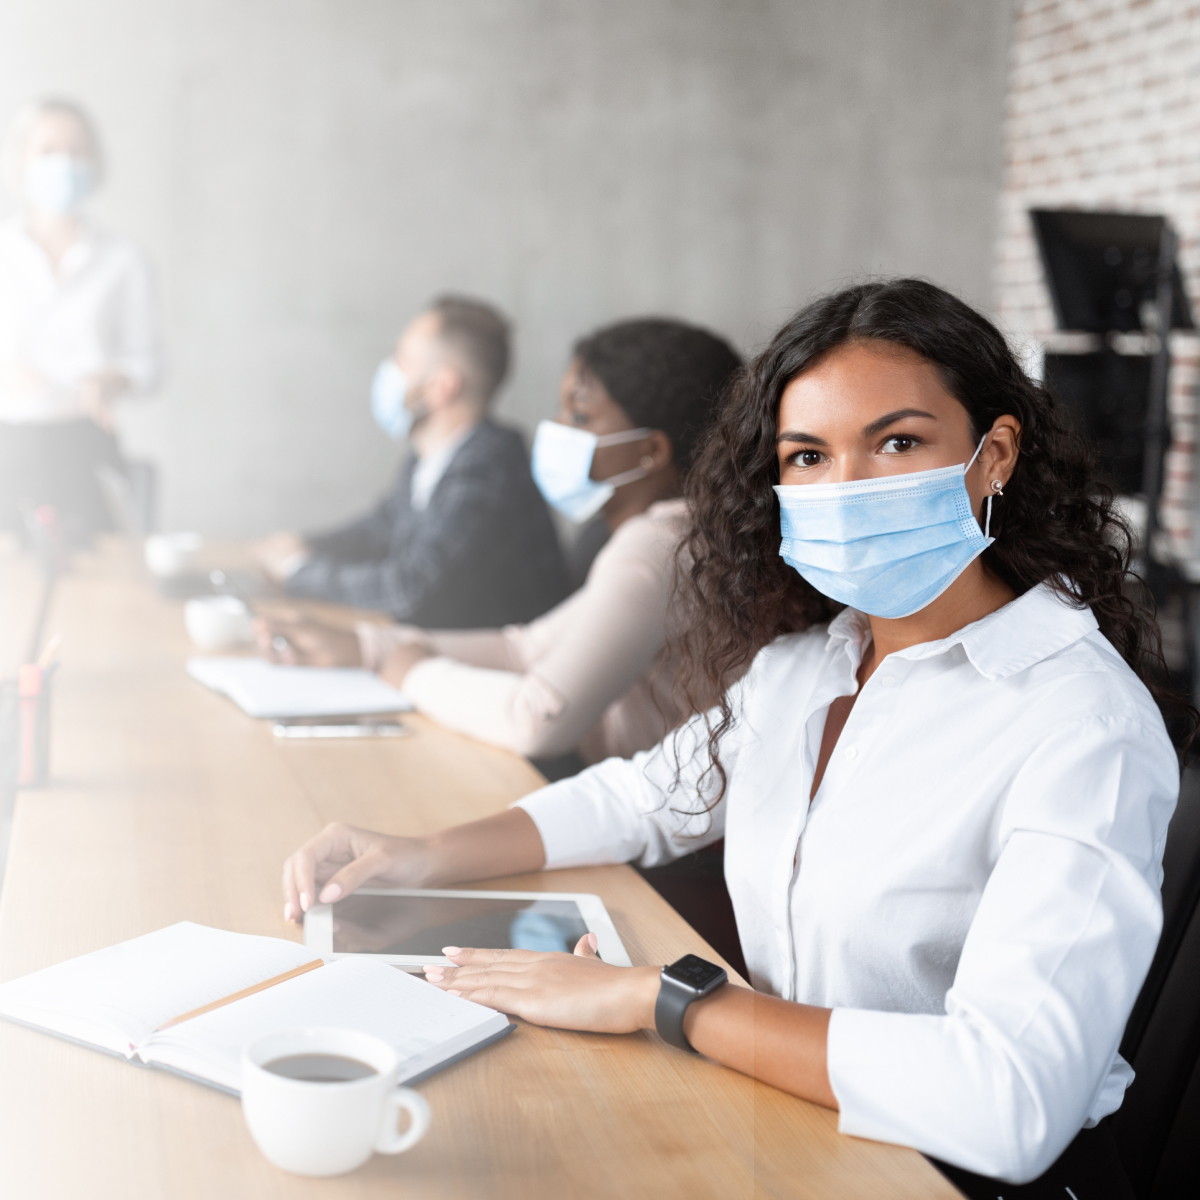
point(307, 172)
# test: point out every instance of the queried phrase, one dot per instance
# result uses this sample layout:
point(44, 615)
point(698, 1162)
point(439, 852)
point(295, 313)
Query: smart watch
point(690, 978)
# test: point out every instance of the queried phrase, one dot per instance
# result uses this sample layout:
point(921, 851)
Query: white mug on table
point(327, 1128)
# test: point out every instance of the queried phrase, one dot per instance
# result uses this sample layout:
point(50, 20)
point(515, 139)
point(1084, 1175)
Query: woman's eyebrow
point(883, 422)
point(792, 435)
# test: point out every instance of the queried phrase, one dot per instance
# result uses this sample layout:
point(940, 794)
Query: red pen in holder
point(33, 724)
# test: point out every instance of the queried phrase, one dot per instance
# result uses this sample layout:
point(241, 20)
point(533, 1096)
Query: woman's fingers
point(340, 859)
point(354, 874)
point(334, 844)
point(588, 946)
point(291, 895)
point(568, 991)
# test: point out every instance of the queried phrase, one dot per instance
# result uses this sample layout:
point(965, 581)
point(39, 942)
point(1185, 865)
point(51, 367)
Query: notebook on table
point(118, 1000)
point(264, 689)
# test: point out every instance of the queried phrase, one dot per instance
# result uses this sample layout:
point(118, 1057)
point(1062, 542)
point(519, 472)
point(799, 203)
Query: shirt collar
point(1025, 631)
point(76, 255)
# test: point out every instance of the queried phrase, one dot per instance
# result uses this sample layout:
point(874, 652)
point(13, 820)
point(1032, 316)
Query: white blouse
point(974, 889)
point(97, 313)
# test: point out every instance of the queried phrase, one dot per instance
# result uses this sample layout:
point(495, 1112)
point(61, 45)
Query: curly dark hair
point(664, 374)
point(1056, 524)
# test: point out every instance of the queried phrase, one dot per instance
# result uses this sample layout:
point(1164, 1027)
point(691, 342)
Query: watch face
point(695, 972)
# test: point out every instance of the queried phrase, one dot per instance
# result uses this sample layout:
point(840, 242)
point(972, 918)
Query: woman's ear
point(1002, 450)
point(659, 452)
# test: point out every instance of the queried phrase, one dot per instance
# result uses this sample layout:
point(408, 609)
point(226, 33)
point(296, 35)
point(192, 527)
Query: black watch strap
point(669, 1008)
point(689, 978)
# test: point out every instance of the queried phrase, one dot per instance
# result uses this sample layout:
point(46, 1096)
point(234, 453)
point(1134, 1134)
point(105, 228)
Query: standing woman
point(77, 323)
point(944, 784)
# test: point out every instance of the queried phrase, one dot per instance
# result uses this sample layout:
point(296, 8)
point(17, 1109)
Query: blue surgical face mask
point(562, 467)
point(887, 547)
point(57, 183)
point(388, 391)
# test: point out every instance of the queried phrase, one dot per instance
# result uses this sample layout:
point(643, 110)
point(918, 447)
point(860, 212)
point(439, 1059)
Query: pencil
point(258, 987)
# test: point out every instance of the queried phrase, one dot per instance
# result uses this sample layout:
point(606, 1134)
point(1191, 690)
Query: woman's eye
point(899, 444)
point(807, 458)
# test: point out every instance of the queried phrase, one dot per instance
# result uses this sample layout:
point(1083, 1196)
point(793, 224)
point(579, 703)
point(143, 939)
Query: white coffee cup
point(170, 554)
point(218, 622)
point(328, 1128)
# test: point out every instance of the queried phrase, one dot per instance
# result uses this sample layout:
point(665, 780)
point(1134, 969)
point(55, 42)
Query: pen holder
point(32, 748)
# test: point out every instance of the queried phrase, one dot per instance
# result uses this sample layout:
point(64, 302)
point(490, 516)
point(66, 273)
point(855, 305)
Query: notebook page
point(118, 996)
point(352, 993)
point(264, 689)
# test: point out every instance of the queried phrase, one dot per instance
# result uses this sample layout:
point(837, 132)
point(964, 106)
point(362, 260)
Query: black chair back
point(1157, 1128)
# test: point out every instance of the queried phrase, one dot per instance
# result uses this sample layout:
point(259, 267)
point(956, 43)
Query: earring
point(647, 462)
point(997, 490)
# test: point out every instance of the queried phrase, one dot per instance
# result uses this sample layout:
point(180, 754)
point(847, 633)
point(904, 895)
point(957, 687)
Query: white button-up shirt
point(974, 889)
point(96, 314)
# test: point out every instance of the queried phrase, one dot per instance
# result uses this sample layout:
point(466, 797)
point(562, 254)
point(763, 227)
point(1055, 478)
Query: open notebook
point(116, 999)
point(265, 689)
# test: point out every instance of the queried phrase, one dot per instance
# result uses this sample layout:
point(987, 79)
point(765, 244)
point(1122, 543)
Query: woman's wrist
point(643, 995)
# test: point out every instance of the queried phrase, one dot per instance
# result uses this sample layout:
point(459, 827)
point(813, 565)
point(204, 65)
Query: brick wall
point(1104, 113)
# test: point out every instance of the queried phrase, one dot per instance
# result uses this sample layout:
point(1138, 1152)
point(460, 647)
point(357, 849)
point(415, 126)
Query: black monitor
point(1102, 267)
point(1107, 394)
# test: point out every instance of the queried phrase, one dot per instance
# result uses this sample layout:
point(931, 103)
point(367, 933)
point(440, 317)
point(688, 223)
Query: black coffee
point(319, 1068)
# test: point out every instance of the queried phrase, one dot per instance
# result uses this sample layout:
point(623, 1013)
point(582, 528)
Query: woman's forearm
point(775, 1041)
point(505, 844)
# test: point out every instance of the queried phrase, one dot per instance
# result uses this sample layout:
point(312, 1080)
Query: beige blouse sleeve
point(569, 665)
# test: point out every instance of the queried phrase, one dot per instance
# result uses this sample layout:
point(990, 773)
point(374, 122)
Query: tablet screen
point(422, 925)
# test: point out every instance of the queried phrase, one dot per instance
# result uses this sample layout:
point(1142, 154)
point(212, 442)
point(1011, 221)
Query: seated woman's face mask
point(562, 468)
point(887, 546)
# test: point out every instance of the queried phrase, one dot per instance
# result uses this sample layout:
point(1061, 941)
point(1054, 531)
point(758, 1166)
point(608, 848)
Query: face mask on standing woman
point(57, 183)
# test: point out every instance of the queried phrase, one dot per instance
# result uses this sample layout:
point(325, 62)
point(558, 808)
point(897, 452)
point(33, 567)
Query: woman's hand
point(305, 642)
point(399, 661)
point(566, 991)
point(342, 858)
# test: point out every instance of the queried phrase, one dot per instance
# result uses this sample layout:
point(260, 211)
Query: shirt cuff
point(376, 641)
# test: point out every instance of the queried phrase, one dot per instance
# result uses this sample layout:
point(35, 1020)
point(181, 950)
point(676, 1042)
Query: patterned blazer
point(483, 554)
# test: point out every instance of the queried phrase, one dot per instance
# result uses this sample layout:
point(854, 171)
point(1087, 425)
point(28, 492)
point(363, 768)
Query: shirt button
point(851, 752)
point(887, 681)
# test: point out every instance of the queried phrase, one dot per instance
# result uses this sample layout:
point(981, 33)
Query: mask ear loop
point(987, 521)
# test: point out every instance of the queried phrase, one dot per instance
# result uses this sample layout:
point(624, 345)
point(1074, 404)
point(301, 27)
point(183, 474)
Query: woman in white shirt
point(944, 807)
point(77, 323)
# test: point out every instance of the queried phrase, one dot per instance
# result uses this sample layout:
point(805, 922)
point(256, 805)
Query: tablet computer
point(409, 926)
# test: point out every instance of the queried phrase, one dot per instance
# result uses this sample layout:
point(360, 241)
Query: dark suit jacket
point(483, 554)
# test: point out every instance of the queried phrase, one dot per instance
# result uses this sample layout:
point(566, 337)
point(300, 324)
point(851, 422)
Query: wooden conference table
point(168, 804)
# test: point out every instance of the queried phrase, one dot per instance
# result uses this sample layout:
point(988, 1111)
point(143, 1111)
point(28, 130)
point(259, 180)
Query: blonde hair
point(22, 126)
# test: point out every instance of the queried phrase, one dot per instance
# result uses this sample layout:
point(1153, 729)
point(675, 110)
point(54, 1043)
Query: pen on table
point(258, 987)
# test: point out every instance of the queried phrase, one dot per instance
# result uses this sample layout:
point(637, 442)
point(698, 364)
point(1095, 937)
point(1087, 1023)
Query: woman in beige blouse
point(586, 676)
